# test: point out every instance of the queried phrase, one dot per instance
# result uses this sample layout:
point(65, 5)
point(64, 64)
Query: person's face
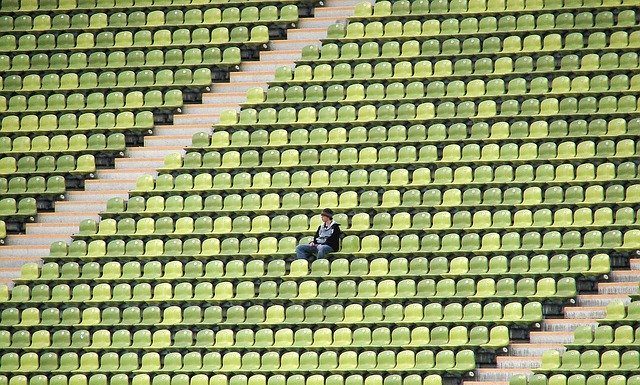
point(325, 219)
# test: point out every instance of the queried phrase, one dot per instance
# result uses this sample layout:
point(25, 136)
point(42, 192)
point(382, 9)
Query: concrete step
point(289, 56)
point(9, 273)
point(287, 45)
point(181, 129)
point(565, 325)
point(600, 300)
point(551, 337)
point(128, 173)
point(155, 152)
point(333, 14)
point(204, 117)
point(208, 108)
point(66, 217)
point(89, 197)
point(501, 374)
point(584, 312)
point(16, 255)
point(485, 382)
point(127, 163)
point(230, 97)
point(179, 141)
point(108, 185)
point(533, 350)
point(264, 65)
point(342, 3)
point(625, 276)
point(51, 228)
point(516, 362)
point(618, 288)
point(93, 206)
point(249, 77)
point(302, 34)
point(237, 86)
point(35, 239)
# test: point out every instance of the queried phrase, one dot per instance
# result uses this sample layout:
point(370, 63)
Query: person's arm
point(334, 238)
point(315, 236)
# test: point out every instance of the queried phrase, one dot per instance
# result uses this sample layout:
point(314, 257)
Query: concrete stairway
point(79, 205)
point(555, 332)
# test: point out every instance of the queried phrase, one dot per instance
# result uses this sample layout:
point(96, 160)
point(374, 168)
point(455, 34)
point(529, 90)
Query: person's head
point(326, 215)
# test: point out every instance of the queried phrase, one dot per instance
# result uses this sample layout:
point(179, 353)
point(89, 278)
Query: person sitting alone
point(325, 241)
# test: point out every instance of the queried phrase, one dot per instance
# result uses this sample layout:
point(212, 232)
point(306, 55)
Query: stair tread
point(485, 382)
point(4, 247)
point(155, 137)
point(111, 181)
point(296, 40)
point(518, 358)
point(137, 160)
point(145, 169)
point(554, 333)
point(92, 193)
point(44, 224)
point(250, 72)
point(24, 236)
point(332, 8)
point(157, 148)
point(184, 125)
point(565, 320)
point(532, 344)
point(617, 284)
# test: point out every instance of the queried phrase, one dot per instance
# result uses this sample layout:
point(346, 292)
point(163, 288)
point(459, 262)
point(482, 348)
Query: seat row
point(525, 22)
point(384, 9)
point(94, 101)
point(455, 89)
point(347, 362)
point(618, 312)
point(624, 336)
point(126, 39)
point(65, 164)
point(23, 145)
point(108, 80)
point(492, 47)
point(291, 291)
point(83, 123)
point(264, 338)
point(576, 379)
point(220, 379)
point(453, 154)
point(355, 314)
point(28, 6)
point(37, 186)
point(608, 362)
point(517, 265)
point(12, 210)
point(396, 62)
point(418, 113)
point(437, 133)
point(294, 202)
point(401, 222)
point(451, 244)
point(154, 18)
point(96, 60)
point(386, 71)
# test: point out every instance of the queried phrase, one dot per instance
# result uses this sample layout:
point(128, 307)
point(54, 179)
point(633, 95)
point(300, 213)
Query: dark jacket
point(329, 236)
